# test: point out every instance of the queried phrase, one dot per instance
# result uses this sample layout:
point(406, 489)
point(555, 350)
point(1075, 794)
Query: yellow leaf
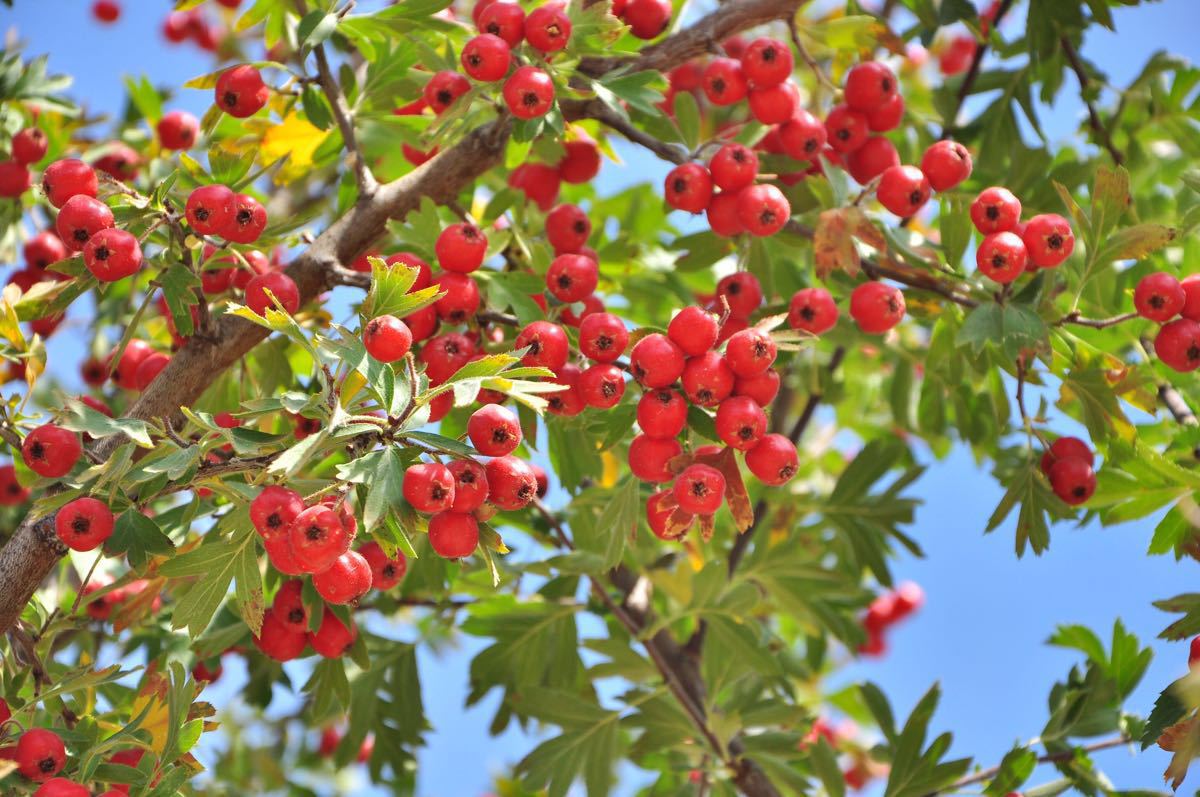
point(154, 694)
point(353, 383)
point(295, 138)
point(612, 469)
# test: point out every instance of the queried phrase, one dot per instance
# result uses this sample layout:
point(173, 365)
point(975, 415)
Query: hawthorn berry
point(409, 260)
point(44, 250)
point(387, 338)
point(742, 292)
point(539, 182)
point(1001, 256)
point(317, 537)
point(1065, 447)
point(761, 387)
point(846, 129)
point(454, 535)
point(566, 402)
point(876, 307)
point(112, 254)
point(82, 217)
point(763, 209)
point(722, 214)
point(774, 460)
point(1072, 480)
point(66, 178)
point(750, 352)
point(1159, 297)
point(567, 228)
point(288, 605)
point(946, 164)
point(662, 413)
point(178, 130)
point(602, 386)
point(51, 451)
point(124, 371)
point(869, 85)
point(506, 20)
point(470, 485)
point(247, 222)
point(1049, 239)
point(443, 89)
point(84, 524)
point(656, 361)
point(494, 431)
point(650, 457)
point(580, 162)
point(62, 787)
point(903, 190)
point(803, 136)
point(279, 641)
point(241, 92)
point(740, 422)
point(210, 209)
point(812, 310)
point(572, 278)
point(445, 354)
point(15, 179)
point(334, 638)
point(461, 300)
point(528, 93)
point(547, 28)
point(11, 491)
point(688, 187)
point(774, 105)
point(700, 489)
point(346, 579)
point(486, 57)
point(996, 209)
point(707, 379)
point(647, 19)
point(119, 162)
point(872, 159)
point(429, 487)
point(278, 284)
point(279, 552)
point(660, 507)
point(887, 116)
point(547, 343)
point(602, 337)
point(733, 167)
point(767, 62)
point(386, 572)
point(694, 330)
point(273, 510)
point(461, 248)
point(1191, 293)
point(724, 82)
point(512, 484)
point(1177, 344)
point(29, 145)
point(40, 754)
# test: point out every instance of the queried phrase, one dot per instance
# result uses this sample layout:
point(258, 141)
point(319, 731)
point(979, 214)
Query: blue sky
point(987, 616)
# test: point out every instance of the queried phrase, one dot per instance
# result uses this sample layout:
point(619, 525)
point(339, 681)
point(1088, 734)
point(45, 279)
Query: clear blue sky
point(982, 630)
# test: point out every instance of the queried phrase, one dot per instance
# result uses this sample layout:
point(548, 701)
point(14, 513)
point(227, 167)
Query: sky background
point(987, 616)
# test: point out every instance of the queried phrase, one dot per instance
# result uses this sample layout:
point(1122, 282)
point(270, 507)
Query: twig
point(341, 112)
point(1048, 758)
point(1093, 116)
point(806, 56)
point(1075, 318)
point(973, 71)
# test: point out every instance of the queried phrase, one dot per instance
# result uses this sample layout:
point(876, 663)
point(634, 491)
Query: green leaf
point(687, 118)
point(1168, 710)
point(139, 538)
point(213, 566)
point(145, 98)
point(1014, 769)
point(179, 285)
point(1009, 327)
point(389, 294)
point(955, 225)
point(605, 534)
point(1111, 197)
point(382, 472)
point(315, 28)
point(588, 748)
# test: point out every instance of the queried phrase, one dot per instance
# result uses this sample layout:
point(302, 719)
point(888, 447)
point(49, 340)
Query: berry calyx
point(700, 489)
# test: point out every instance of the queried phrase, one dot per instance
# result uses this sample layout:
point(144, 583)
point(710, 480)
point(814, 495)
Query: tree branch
point(972, 75)
point(1048, 758)
point(341, 112)
point(1093, 116)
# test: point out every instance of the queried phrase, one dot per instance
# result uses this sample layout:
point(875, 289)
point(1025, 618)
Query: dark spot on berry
point(992, 212)
point(274, 521)
point(37, 451)
point(296, 616)
point(474, 59)
point(608, 389)
point(389, 570)
point(244, 216)
point(81, 235)
point(437, 492)
point(1055, 241)
point(202, 213)
point(679, 186)
point(444, 97)
point(914, 198)
point(604, 343)
point(535, 346)
point(81, 525)
point(526, 491)
point(718, 87)
point(47, 764)
point(886, 85)
point(530, 99)
point(808, 314)
point(500, 435)
point(745, 433)
point(786, 472)
point(230, 99)
point(314, 532)
point(580, 226)
point(769, 54)
point(101, 253)
point(998, 261)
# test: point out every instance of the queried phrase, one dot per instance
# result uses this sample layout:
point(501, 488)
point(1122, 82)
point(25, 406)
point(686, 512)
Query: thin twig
point(341, 113)
point(973, 71)
point(1048, 758)
point(806, 56)
point(1093, 116)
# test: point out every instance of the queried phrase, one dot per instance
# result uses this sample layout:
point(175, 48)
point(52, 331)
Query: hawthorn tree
point(862, 219)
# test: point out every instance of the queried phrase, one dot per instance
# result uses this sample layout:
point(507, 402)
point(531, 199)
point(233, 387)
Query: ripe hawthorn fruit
point(241, 92)
point(876, 307)
point(84, 524)
point(429, 487)
point(386, 572)
point(649, 457)
point(453, 535)
point(773, 460)
point(812, 310)
point(494, 431)
point(1159, 297)
point(51, 451)
point(700, 489)
point(345, 580)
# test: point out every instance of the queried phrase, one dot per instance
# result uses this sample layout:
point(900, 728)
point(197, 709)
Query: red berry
point(40, 754)
point(66, 178)
point(1001, 256)
point(461, 248)
point(387, 338)
point(84, 524)
point(44, 250)
point(812, 310)
point(248, 221)
point(539, 183)
point(662, 413)
point(62, 787)
point(957, 56)
point(512, 484)
point(658, 515)
point(385, 572)
point(124, 373)
point(876, 307)
point(317, 537)
point(655, 361)
point(750, 352)
point(279, 552)
point(649, 457)
point(566, 402)
point(1178, 345)
point(333, 639)
point(81, 218)
point(946, 164)
point(210, 209)
point(761, 387)
point(547, 343)
point(119, 162)
point(767, 62)
point(178, 130)
point(506, 20)
point(872, 159)
point(273, 510)
point(445, 354)
point(443, 89)
point(774, 105)
point(694, 330)
point(547, 28)
point(486, 57)
point(1191, 293)
point(707, 379)
point(803, 136)
point(112, 255)
point(470, 485)
point(774, 460)
point(106, 11)
point(1049, 239)
point(887, 116)
point(647, 19)
point(1065, 447)
point(1194, 652)
point(461, 300)
point(996, 210)
point(429, 487)
point(903, 190)
point(288, 605)
point(688, 187)
point(280, 285)
point(453, 535)
point(240, 91)
point(700, 489)
point(742, 292)
point(346, 579)
point(51, 451)
point(724, 82)
point(602, 386)
point(494, 431)
point(581, 162)
point(1159, 297)
point(279, 641)
point(733, 167)
point(15, 179)
point(846, 129)
point(567, 228)
point(572, 278)
point(870, 85)
point(740, 422)
point(528, 93)
point(29, 145)
point(1072, 480)
point(602, 337)
point(722, 214)
point(11, 491)
point(763, 209)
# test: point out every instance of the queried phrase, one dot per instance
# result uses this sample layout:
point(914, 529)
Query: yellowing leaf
point(293, 137)
point(833, 245)
point(612, 469)
point(154, 694)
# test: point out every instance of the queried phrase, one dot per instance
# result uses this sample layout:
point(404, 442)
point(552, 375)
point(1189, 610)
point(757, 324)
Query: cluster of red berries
point(1175, 304)
point(1067, 463)
point(887, 610)
point(540, 182)
point(875, 306)
point(40, 755)
point(191, 25)
point(102, 606)
point(1010, 247)
point(331, 737)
